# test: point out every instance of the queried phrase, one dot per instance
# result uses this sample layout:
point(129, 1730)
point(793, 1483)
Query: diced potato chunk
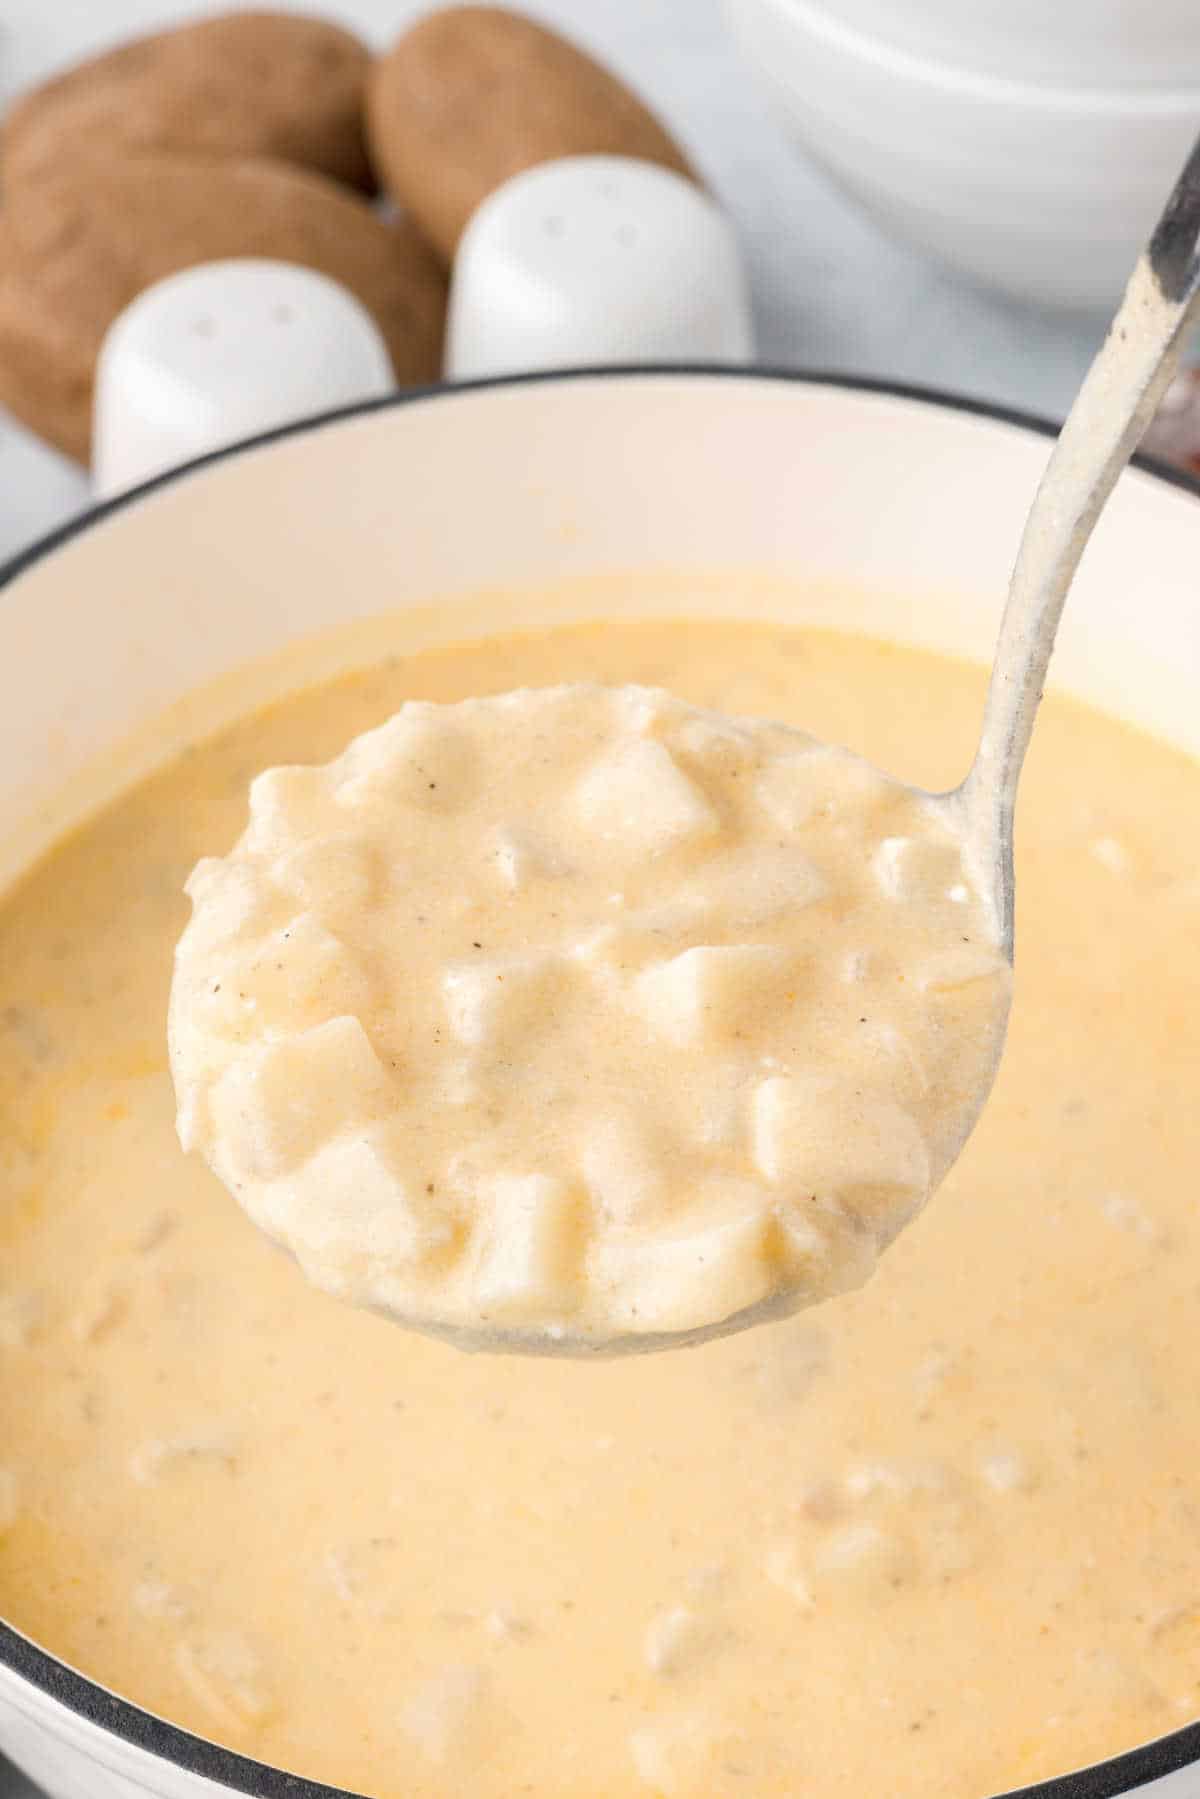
point(277, 1104)
point(229, 900)
point(673, 1639)
point(286, 804)
point(708, 994)
point(444, 1715)
point(532, 1245)
point(418, 758)
point(787, 792)
point(333, 877)
point(1112, 854)
point(811, 1134)
point(1007, 1471)
point(350, 1201)
point(756, 886)
point(226, 1675)
point(827, 1251)
point(913, 868)
point(494, 998)
point(638, 799)
point(304, 973)
point(521, 857)
point(717, 743)
point(625, 1171)
point(794, 790)
point(685, 1279)
point(296, 976)
point(866, 1554)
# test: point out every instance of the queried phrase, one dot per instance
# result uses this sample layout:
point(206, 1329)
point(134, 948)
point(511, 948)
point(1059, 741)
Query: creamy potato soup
point(940, 1536)
point(581, 1017)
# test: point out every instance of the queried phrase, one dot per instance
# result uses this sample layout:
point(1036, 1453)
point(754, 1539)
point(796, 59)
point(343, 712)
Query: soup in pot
point(938, 1536)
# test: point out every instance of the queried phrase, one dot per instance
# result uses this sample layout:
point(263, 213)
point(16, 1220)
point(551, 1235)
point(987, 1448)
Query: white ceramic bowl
point(1044, 192)
point(909, 508)
point(1069, 43)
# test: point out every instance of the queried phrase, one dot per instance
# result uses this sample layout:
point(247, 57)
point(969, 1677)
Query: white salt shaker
point(223, 351)
point(596, 259)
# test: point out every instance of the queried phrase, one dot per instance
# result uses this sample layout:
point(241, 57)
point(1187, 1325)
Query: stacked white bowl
point(1030, 143)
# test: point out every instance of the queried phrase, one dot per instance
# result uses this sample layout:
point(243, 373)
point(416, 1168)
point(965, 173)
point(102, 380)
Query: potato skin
point(77, 248)
point(239, 84)
point(472, 95)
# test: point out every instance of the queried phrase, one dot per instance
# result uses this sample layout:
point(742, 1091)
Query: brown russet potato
point(76, 248)
point(238, 84)
point(472, 95)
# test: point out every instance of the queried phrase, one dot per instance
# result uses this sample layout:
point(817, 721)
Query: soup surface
point(941, 1536)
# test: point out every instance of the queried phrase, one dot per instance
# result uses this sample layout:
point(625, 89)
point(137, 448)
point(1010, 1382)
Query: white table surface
point(832, 291)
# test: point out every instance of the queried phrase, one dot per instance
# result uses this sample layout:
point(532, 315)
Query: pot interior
point(858, 509)
point(897, 516)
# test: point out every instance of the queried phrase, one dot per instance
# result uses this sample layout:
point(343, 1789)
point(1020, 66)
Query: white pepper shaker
point(593, 260)
point(221, 352)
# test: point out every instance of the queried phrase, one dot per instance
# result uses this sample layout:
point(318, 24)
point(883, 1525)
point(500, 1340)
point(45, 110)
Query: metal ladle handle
point(1120, 394)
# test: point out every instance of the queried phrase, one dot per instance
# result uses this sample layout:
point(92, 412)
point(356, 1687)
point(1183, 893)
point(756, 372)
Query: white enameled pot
point(901, 512)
